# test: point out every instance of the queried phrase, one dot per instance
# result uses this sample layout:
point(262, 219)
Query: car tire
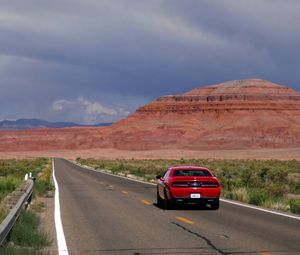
point(159, 200)
point(215, 205)
point(166, 202)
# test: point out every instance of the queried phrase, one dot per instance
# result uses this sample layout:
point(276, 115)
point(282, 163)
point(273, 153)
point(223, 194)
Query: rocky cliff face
point(234, 95)
point(233, 115)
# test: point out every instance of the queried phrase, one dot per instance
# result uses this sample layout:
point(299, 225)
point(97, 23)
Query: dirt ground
point(47, 223)
point(45, 209)
point(281, 154)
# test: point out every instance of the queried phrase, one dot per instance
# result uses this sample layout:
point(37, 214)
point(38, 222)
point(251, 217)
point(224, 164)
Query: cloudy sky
point(98, 60)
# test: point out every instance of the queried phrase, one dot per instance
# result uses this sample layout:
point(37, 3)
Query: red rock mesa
point(238, 114)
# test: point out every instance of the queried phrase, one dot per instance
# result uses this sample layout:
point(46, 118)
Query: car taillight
point(180, 184)
point(209, 184)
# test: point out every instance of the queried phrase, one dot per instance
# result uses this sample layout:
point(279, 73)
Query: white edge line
point(259, 209)
point(222, 199)
point(61, 240)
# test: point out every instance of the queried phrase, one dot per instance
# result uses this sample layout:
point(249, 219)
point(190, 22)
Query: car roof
point(189, 168)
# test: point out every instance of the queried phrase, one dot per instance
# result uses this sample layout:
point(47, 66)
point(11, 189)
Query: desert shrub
point(230, 184)
point(12, 173)
point(41, 188)
point(294, 186)
point(295, 206)
point(26, 231)
point(18, 168)
point(278, 175)
point(258, 196)
point(43, 182)
point(8, 185)
point(275, 190)
point(25, 236)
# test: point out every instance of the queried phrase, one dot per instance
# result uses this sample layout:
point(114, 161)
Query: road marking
point(146, 202)
point(259, 209)
point(185, 220)
point(223, 236)
point(266, 253)
point(221, 199)
point(124, 192)
point(61, 240)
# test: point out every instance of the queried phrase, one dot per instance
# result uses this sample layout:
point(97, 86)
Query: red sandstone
point(246, 114)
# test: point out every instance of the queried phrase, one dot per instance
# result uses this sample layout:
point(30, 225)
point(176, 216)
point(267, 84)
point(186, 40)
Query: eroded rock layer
point(234, 95)
point(233, 115)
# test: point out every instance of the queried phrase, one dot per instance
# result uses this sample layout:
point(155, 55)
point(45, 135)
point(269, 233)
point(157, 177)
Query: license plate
point(195, 195)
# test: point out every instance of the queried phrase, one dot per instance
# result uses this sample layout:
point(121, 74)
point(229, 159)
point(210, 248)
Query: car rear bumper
point(188, 200)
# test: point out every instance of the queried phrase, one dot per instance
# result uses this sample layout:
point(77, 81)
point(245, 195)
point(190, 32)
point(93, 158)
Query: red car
point(188, 184)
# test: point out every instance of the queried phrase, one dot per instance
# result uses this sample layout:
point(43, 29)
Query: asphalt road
point(103, 214)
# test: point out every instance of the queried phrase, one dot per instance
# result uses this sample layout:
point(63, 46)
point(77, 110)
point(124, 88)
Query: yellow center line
point(124, 192)
point(146, 202)
point(185, 220)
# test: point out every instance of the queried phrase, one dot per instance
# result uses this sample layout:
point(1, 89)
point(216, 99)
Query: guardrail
point(14, 213)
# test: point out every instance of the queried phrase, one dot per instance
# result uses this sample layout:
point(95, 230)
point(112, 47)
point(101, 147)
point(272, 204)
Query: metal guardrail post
point(13, 215)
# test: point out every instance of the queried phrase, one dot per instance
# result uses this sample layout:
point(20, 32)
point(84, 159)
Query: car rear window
point(191, 172)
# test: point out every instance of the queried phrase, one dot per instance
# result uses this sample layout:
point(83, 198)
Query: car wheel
point(158, 199)
point(167, 203)
point(215, 205)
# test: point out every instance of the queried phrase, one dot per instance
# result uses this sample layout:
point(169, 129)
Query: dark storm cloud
point(99, 60)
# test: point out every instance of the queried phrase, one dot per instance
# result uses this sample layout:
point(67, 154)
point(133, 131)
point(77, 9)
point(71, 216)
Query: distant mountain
point(23, 124)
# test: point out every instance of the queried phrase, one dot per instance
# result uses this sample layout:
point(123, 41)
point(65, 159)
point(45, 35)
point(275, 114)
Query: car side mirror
point(159, 177)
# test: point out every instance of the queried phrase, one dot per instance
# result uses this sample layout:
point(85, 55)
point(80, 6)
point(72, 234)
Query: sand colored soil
point(263, 154)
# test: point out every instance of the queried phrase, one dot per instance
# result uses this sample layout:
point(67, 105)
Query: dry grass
point(240, 194)
point(277, 205)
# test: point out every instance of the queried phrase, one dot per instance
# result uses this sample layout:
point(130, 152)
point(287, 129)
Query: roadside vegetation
point(269, 183)
point(26, 236)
